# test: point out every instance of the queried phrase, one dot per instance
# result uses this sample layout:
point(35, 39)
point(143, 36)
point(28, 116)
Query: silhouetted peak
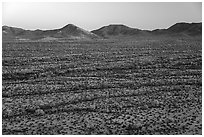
point(70, 26)
point(182, 26)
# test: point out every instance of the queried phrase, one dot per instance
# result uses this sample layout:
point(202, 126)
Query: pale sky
point(92, 16)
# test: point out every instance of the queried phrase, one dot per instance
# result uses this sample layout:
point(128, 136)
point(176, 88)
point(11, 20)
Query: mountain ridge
point(71, 31)
point(182, 28)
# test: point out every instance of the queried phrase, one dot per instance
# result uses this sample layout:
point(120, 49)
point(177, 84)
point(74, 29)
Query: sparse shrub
point(39, 112)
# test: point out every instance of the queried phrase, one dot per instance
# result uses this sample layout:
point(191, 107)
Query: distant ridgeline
point(73, 32)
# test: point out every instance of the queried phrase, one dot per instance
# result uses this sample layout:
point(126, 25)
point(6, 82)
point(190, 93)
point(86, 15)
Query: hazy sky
point(92, 16)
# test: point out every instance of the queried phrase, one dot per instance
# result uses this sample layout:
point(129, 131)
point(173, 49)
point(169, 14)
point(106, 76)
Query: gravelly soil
point(106, 87)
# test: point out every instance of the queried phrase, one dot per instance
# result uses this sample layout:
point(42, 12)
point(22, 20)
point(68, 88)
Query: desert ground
point(127, 86)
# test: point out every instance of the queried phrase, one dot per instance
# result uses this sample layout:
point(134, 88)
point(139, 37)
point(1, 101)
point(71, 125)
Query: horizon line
point(100, 27)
